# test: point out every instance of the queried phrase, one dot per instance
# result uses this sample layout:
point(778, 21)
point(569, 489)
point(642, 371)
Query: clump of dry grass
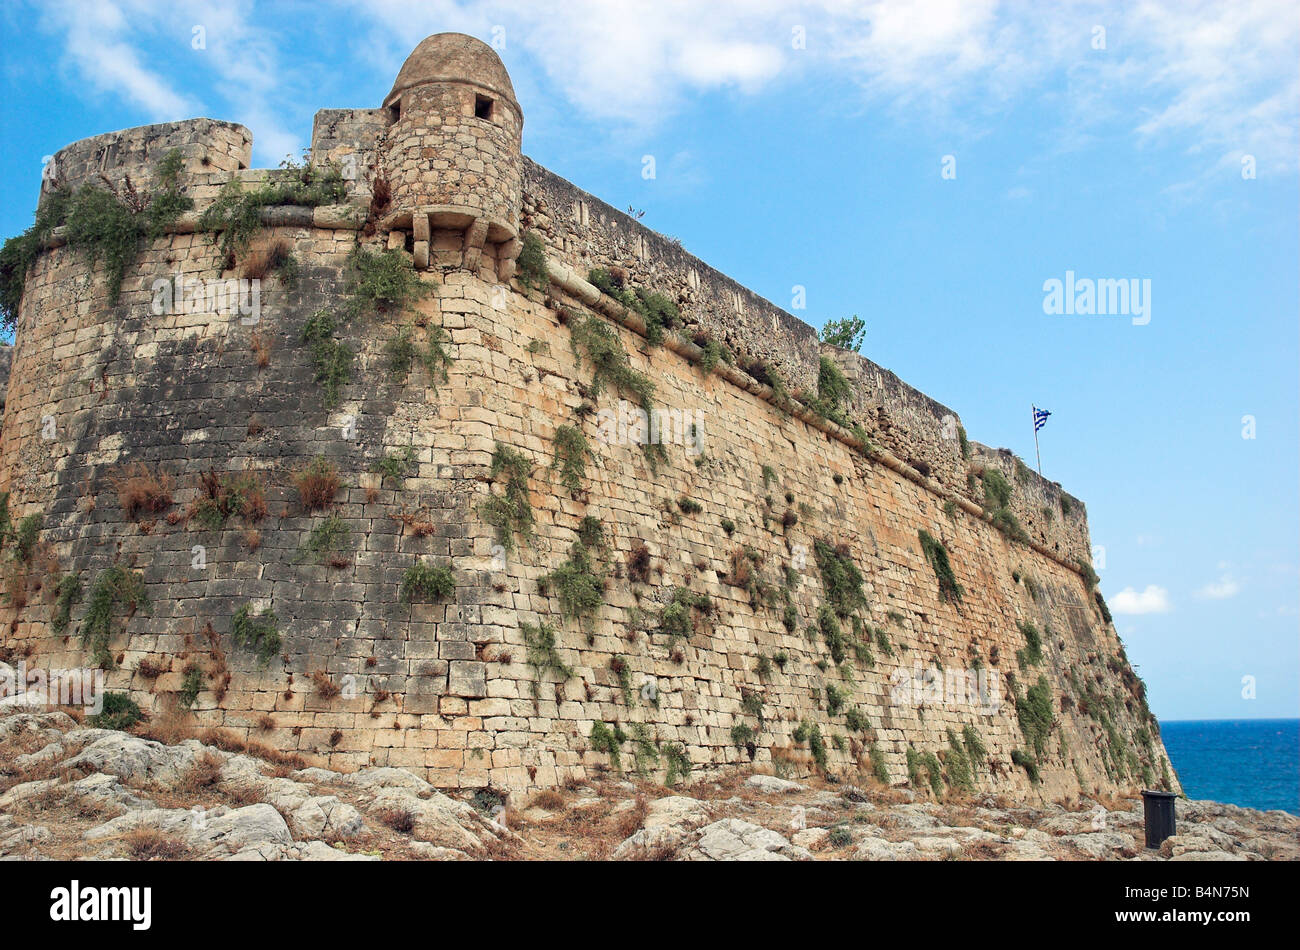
point(326, 688)
point(152, 844)
point(418, 523)
point(16, 586)
point(549, 799)
point(140, 489)
point(630, 821)
point(399, 819)
point(317, 484)
point(638, 563)
point(202, 775)
point(151, 669)
point(260, 349)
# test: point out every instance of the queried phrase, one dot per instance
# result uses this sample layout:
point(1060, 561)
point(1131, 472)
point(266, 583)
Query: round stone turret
point(453, 156)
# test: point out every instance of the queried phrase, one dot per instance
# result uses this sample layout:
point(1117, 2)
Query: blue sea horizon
point(1254, 763)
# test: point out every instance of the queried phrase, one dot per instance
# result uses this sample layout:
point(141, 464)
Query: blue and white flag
point(1040, 417)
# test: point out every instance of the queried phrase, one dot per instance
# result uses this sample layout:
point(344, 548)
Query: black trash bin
point(1158, 811)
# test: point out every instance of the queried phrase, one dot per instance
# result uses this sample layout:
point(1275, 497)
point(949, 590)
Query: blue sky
point(803, 144)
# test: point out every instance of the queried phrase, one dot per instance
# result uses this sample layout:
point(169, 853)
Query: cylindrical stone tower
point(453, 156)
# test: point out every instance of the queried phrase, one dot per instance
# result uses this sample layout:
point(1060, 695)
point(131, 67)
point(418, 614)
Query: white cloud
point(1221, 589)
point(1202, 75)
point(1210, 79)
point(105, 60)
point(105, 43)
point(1152, 600)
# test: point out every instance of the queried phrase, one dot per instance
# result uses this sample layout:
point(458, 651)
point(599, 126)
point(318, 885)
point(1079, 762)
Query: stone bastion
point(353, 464)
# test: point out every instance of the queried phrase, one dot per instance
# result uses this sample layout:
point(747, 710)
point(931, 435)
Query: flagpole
point(1034, 418)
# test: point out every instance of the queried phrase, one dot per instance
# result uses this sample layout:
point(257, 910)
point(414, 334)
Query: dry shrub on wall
point(317, 484)
point(140, 489)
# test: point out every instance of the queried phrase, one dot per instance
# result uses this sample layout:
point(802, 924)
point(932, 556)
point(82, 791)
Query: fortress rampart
point(718, 636)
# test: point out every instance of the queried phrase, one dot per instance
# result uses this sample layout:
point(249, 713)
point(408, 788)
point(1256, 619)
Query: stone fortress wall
point(446, 688)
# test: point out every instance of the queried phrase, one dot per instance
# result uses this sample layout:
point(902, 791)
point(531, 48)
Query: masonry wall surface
point(445, 689)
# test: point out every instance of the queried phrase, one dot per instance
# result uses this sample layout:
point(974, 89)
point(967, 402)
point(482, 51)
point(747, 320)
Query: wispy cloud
point(232, 68)
point(96, 47)
point(1213, 80)
point(1152, 600)
point(1225, 587)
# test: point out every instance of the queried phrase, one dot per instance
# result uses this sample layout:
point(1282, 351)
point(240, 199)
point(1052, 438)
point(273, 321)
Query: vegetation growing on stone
point(591, 533)
point(381, 282)
point(997, 490)
point(542, 654)
point(878, 767)
point(935, 772)
point(397, 466)
point(258, 633)
point(236, 214)
point(599, 343)
point(67, 593)
point(511, 512)
point(105, 222)
point(997, 501)
point(331, 359)
point(140, 489)
point(841, 579)
point(191, 686)
point(937, 555)
point(317, 484)
point(324, 543)
point(645, 754)
point(1090, 577)
point(623, 673)
point(676, 620)
point(223, 496)
point(114, 587)
point(847, 333)
point(857, 720)
point(713, 353)
point(427, 583)
point(1025, 761)
point(658, 312)
point(530, 265)
point(743, 735)
point(1034, 713)
point(975, 750)
point(1032, 653)
point(811, 733)
point(578, 583)
point(25, 536)
point(608, 740)
point(403, 352)
point(119, 712)
point(571, 451)
point(958, 765)
point(679, 762)
point(1101, 606)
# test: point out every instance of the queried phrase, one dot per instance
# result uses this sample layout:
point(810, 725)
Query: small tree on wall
point(847, 334)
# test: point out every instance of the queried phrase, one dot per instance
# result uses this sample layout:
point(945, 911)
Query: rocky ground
point(69, 792)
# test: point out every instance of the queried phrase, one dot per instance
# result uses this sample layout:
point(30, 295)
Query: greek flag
point(1040, 417)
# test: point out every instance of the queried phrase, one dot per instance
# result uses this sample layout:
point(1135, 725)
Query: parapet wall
point(206, 147)
point(586, 233)
point(447, 689)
